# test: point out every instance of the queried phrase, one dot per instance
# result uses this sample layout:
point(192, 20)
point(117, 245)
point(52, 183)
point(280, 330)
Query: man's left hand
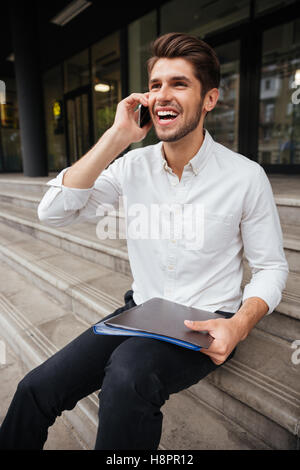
point(225, 333)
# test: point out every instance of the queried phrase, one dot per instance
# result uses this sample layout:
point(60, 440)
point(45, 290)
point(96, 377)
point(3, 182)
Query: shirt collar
point(199, 160)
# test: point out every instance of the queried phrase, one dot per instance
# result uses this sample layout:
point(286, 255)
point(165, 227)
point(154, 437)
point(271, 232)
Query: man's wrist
point(249, 314)
point(119, 137)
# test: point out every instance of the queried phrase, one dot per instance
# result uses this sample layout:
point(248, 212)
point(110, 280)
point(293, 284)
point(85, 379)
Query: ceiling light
point(103, 87)
point(11, 57)
point(68, 13)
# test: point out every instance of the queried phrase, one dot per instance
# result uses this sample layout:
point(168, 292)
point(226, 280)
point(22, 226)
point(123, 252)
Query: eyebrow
point(174, 79)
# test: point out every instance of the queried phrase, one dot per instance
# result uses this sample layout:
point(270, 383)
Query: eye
point(180, 84)
point(154, 85)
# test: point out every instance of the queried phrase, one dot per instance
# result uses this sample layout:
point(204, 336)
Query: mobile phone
point(144, 115)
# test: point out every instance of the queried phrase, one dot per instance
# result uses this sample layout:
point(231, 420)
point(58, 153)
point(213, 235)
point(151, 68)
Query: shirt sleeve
point(263, 243)
point(62, 205)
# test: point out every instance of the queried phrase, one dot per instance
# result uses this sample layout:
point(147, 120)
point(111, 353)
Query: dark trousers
point(136, 376)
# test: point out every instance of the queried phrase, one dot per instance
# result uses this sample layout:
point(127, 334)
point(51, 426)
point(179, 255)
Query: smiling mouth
point(166, 117)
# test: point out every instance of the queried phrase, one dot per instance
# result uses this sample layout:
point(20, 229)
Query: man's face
point(175, 102)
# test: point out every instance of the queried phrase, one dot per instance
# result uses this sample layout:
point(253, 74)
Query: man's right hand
point(124, 131)
point(126, 119)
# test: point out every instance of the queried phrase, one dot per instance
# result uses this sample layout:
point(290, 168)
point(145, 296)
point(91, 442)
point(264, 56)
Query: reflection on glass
point(78, 126)
point(106, 81)
point(222, 121)
point(54, 116)
point(279, 119)
point(10, 146)
point(140, 35)
point(200, 17)
point(77, 72)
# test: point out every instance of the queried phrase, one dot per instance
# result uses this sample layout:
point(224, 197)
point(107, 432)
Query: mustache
point(166, 105)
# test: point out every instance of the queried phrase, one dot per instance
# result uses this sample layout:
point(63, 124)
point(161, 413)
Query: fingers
point(136, 98)
point(199, 325)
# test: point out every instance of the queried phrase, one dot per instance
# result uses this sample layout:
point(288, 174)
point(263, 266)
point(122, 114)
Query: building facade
point(258, 112)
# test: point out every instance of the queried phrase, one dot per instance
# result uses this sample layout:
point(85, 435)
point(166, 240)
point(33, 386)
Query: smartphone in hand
point(144, 115)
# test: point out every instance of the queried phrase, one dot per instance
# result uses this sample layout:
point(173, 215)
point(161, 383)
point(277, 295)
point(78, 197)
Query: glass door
point(78, 124)
point(279, 116)
point(223, 121)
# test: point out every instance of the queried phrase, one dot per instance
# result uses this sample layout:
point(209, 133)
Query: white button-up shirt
point(236, 212)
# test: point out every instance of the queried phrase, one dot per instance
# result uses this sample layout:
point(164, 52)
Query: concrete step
point(61, 435)
point(36, 326)
point(18, 183)
point(78, 238)
point(85, 287)
point(288, 209)
point(20, 200)
point(72, 282)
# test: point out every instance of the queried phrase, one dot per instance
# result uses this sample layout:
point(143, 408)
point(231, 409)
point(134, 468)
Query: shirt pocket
point(215, 233)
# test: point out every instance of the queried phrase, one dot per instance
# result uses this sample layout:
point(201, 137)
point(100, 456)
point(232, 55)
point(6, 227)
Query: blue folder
point(160, 319)
point(103, 329)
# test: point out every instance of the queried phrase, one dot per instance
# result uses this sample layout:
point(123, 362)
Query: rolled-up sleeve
point(263, 243)
point(62, 205)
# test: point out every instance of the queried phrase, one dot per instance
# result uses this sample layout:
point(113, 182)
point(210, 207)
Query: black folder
point(160, 319)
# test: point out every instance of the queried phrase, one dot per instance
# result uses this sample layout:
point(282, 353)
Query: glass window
point(266, 6)
point(106, 79)
point(200, 17)
point(279, 118)
point(78, 123)
point(77, 71)
point(140, 35)
point(54, 117)
point(10, 145)
point(222, 121)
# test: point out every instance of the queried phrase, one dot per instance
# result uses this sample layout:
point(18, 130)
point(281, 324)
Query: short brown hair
point(203, 58)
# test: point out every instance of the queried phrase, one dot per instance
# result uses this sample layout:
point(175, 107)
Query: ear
point(210, 99)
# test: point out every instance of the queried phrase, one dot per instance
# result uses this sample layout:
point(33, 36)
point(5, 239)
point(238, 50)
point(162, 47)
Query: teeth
point(166, 113)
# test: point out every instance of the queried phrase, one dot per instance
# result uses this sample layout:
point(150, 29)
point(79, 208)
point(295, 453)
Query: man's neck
point(179, 153)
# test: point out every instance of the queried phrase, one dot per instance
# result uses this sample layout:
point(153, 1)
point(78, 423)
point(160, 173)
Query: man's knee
point(28, 384)
point(129, 376)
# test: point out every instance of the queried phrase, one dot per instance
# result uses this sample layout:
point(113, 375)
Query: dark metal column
point(29, 87)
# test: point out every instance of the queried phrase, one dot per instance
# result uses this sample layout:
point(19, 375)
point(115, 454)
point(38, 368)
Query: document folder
point(160, 319)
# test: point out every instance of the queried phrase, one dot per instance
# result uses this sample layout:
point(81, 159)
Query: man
point(137, 375)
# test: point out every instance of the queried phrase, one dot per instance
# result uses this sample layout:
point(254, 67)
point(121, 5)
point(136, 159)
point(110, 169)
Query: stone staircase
point(56, 282)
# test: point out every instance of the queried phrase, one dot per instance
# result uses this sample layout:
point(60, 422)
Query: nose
point(164, 94)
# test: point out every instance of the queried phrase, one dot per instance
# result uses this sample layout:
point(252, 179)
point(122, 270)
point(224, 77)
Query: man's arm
point(125, 130)
point(263, 248)
point(73, 195)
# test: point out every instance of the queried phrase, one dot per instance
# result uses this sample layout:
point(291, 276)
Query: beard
point(184, 130)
